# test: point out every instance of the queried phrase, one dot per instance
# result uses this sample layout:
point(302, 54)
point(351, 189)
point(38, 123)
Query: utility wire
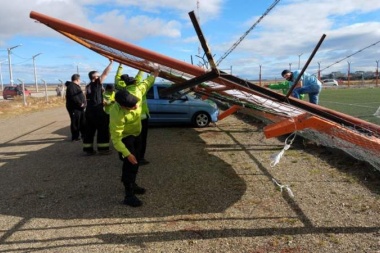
point(246, 33)
point(351, 55)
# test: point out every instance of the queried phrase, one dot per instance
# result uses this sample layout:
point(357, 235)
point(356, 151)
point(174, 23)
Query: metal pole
point(299, 60)
point(10, 64)
point(377, 72)
point(319, 70)
point(260, 76)
point(63, 88)
point(23, 92)
point(290, 66)
point(348, 73)
point(1, 75)
point(35, 75)
point(46, 93)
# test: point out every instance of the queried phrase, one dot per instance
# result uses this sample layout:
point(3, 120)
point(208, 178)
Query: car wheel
point(201, 119)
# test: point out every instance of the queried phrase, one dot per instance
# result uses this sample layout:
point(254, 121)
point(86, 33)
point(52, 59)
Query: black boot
point(130, 198)
point(132, 201)
point(138, 190)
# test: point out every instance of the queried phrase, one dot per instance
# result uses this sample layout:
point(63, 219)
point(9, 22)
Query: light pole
point(23, 91)
point(35, 75)
point(46, 92)
point(299, 60)
point(1, 75)
point(260, 76)
point(77, 64)
point(63, 88)
point(319, 71)
point(377, 72)
point(10, 64)
point(290, 66)
point(348, 73)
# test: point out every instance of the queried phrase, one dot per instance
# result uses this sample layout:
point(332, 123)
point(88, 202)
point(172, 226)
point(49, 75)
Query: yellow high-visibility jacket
point(124, 122)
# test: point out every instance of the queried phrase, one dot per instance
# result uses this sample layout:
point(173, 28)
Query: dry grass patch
point(16, 106)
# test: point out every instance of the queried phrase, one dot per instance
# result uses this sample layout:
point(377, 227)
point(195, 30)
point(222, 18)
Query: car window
point(150, 94)
point(169, 96)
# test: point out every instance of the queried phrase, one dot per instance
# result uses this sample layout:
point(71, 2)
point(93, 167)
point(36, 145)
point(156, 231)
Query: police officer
point(125, 129)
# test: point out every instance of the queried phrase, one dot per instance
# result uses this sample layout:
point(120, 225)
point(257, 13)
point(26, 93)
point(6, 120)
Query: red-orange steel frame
point(75, 32)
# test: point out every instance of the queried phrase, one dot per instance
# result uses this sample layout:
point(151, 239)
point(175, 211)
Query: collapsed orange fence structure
point(283, 114)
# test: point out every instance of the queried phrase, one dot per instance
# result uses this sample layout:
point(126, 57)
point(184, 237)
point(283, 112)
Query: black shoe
point(104, 152)
point(132, 201)
point(143, 162)
point(139, 190)
point(90, 152)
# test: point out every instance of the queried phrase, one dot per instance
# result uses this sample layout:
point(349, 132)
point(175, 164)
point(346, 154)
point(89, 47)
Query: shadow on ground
point(58, 182)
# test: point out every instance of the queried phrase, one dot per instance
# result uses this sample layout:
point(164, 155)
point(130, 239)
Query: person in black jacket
point(75, 105)
point(96, 118)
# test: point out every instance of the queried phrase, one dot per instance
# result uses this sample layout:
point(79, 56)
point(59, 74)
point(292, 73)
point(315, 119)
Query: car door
point(168, 108)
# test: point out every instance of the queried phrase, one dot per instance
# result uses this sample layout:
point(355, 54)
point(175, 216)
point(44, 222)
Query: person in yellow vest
point(125, 129)
point(108, 98)
point(124, 81)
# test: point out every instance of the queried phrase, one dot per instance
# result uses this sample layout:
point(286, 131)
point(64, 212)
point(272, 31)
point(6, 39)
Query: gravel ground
point(209, 190)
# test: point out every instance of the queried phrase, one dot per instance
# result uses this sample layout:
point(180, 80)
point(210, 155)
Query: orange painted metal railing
point(99, 43)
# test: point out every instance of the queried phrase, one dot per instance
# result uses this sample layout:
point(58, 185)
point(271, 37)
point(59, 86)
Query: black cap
point(126, 99)
point(128, 79)
point(285, 71)
point(109, 87)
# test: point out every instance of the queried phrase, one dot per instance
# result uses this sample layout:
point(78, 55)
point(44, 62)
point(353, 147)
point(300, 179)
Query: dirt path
point(209, 190)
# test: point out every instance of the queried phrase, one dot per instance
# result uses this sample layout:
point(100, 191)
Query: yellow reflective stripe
point(103, 145)
point(87, 145)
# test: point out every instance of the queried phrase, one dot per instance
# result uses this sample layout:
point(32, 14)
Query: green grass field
point(358, 102)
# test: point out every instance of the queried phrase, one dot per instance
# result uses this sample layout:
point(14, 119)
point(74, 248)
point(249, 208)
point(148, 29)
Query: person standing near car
point(96, 118)
point(308, 84)
point(75, 105)
point(125, 129)
point(131, 84)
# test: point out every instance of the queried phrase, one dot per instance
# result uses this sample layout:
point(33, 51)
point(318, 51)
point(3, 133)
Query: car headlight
point(212, 103)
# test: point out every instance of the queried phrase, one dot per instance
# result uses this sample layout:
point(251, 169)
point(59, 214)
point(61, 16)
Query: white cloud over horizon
point(293, 27)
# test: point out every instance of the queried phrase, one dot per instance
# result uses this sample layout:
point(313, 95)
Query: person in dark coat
point(96, 118)
point(75, 105)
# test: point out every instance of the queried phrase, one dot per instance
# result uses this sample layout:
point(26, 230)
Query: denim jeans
point(312, 90)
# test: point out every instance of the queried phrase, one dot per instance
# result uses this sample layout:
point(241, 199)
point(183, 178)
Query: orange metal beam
point(228, 112)
point(333, 129)
point(152, 56)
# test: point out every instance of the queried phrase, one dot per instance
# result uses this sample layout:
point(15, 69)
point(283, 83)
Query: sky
point(285, 38)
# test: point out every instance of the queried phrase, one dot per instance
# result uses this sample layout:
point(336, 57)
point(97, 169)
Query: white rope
point(275, 158)
point(286, 187)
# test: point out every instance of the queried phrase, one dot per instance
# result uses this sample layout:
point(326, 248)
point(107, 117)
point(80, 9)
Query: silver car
point(330, 82)
point(180, 108)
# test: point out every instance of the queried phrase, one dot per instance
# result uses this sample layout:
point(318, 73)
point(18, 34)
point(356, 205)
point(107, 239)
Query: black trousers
point(97, 121)
point(77, 125)
point(129, 170)
point(144, 137)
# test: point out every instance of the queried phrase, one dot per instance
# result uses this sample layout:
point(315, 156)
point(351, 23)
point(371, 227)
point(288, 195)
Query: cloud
point(296, 27)
point(291, 28)
point(136, 27)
